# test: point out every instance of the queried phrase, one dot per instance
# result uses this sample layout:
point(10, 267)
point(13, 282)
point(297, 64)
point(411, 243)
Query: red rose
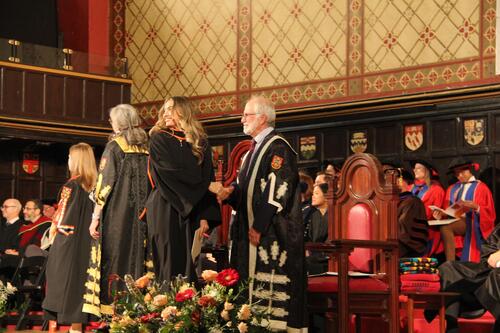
point(206, 301)
point(195, 317)
point(147, 317)
point(184, 295)
point(228, 277)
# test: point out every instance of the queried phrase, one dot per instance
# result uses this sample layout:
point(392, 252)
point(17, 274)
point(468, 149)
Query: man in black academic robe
point(267, 233)
point(478, 283)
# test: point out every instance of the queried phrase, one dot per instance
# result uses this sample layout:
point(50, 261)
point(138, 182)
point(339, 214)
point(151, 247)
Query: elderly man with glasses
point(9, 229)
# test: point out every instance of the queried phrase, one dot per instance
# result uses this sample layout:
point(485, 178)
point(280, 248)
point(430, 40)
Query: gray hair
point(265, 107)
point(126, 118)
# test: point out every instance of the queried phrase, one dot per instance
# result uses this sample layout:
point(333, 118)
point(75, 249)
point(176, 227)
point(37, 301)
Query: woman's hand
point(93, 228)
point(202, 230)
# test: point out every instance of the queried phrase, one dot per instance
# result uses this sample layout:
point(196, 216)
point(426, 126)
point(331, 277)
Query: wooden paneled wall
point(443, 136)
point(48, 96)
point(45, 182)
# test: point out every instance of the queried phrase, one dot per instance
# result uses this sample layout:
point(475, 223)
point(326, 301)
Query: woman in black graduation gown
point(180, 171)
point(69, 253)
point(120, 245)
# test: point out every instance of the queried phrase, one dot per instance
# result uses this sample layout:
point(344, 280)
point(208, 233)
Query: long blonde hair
point(83, 165)
point(127, 119)
point(188, 123)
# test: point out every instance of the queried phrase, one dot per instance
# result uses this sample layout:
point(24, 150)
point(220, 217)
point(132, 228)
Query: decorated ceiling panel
point(301, 52)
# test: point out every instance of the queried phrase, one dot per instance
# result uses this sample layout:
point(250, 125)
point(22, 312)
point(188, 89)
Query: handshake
point(220, 191)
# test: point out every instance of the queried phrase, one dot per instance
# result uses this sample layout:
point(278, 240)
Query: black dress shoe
point(472, 314)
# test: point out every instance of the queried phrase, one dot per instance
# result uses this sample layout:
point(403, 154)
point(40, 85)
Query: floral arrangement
point(5, 291)
point(217, 307)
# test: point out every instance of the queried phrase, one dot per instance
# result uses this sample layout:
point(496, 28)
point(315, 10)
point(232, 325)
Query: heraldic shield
point(31, 163)
point(307, 147)
point(414, 136)
point(474, 131)
point(359, 142)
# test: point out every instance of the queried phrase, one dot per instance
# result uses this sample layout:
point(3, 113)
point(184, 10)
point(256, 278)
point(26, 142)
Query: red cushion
point(419, 277)
point(329, 284)
point(359, 226)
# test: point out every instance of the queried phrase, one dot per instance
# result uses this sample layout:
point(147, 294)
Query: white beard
point(250, 128)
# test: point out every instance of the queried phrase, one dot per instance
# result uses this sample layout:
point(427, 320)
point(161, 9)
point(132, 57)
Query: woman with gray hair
point(119, 245)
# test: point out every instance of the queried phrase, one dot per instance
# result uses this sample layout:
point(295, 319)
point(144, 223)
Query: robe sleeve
point(108, 172)
point(278, 187)
point(492, 244)
point(487, 214)
point(437, 198)
point(66, 208)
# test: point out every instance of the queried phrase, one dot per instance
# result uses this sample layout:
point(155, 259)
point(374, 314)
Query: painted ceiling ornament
point(31, 163)
point(307, 147)
point(474, 131)
point(359, 142)
point(414, 136)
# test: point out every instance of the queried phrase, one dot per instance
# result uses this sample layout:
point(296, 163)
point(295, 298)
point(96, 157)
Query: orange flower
point(142, 282)
point(160, 300)
point(209, 275)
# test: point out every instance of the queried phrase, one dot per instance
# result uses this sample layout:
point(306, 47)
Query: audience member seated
point(476, 213)
point(35, 226)
point(49, 207)
point(412, 220)
point(306, 190)
point(9, 229)
point(322, 178)
point(316, 229)
point(478, 284)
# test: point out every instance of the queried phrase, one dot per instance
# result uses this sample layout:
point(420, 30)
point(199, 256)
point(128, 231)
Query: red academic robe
point(32, 233)
point(479, 223)
point(432, 195)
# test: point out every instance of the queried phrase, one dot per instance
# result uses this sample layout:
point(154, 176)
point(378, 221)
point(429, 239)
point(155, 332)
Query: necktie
point(250, 155)
point(460, 192)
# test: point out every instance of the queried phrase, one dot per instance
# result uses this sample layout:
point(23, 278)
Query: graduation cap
point(432, 171)
point(461, 163)
point(402, 172)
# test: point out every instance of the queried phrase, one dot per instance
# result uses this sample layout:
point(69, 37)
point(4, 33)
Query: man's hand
point(438, 215)
point(493, 259)
point(12, 252)
point(254, 236)
point(224, 193)
point(467, 205)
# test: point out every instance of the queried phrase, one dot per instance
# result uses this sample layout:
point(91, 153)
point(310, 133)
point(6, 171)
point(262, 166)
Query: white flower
point(242, 327)
point(228, 306)
point(225, 315)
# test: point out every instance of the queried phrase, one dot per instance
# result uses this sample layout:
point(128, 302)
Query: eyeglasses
point(246, 115)
point(29, 208)
point(5, 207)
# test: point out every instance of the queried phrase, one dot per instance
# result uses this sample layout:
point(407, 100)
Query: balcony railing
point(45, 56)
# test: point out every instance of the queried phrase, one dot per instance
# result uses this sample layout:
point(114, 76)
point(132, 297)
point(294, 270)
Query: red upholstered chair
point(362, 236)
point(230, 176)
point(220, 250)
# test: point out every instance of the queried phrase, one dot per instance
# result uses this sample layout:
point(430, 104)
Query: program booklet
point(451, 212)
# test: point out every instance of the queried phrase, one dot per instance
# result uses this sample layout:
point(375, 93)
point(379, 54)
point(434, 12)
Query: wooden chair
point(362, 236)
